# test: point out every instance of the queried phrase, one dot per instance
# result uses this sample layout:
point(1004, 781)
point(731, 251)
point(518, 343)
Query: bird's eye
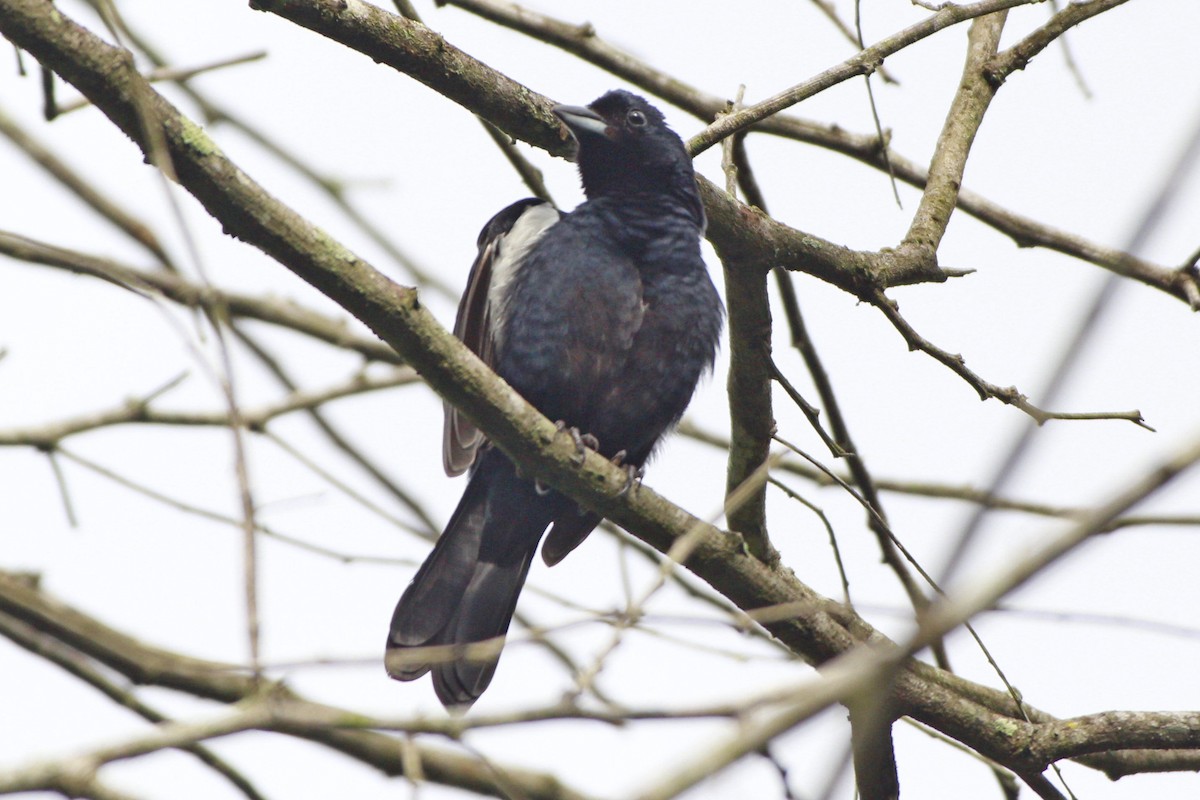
point(636, 118)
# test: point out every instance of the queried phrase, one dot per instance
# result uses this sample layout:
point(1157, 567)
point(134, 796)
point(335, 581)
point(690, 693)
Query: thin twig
point(1008, 396)
point(862, 63)
point(139, 411)
point(107, 207)
point(830, 11)
point(833, 543)
point(335, 436)
point(965, 494)
point(177, 75)
point(64, 491)
point(282, 313)
point(883, 150)
point(235, 522)
point(584, 42)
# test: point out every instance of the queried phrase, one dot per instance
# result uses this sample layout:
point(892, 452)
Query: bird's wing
point(503, 245)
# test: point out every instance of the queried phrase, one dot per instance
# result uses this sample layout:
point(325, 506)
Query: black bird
point(604, 318)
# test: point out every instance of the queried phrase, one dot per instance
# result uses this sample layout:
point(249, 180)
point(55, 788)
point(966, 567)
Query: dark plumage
point(604, 318)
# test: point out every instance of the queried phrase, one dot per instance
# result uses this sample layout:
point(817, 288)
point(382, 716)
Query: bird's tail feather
point(484, 614)
point(429, 605)
point(466, 591)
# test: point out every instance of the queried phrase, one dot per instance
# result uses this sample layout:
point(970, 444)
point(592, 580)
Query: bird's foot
point(633, 474)
point(582, 441)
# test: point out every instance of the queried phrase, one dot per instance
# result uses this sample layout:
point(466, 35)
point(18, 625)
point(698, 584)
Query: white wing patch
point(511, 251)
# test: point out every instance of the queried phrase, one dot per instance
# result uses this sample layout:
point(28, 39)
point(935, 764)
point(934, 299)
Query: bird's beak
point(581, 121)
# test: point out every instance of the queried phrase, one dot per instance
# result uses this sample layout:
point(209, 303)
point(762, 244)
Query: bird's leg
point(582, 441)
point(633, 474)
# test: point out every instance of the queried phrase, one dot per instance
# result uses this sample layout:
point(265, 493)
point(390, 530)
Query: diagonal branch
point(584, 42)
point(962, 123)
point(1017, 57)
point(283, 313)
point(862, 63)
point(1007, 395)
point(982, 717)
point(22, 601)
point(73, 662)
point(107, 207)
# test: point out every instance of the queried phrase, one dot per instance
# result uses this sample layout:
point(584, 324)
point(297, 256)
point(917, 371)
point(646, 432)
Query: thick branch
point(411, 48)
point(754, 240)
point(147, 665)
point(971, 101)
point(68, 659)
point(584, 42)
point(749, 386)
point(971, 713)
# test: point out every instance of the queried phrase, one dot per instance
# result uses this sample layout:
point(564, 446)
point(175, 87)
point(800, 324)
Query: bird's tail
point(465, 592)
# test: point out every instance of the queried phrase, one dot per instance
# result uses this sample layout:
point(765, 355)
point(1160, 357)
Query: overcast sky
point(422, 169)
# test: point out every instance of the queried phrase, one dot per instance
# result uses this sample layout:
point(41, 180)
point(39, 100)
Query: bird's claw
point(633, 474)
point(582, 441)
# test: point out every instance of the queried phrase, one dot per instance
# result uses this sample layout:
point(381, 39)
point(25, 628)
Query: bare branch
point(966, 494)
point(1017, 57)
point(225, 683)
point(963, 120)
point(105, 206)
point(1010, 396)
point(47, 437)
point(861, 64)
point(965, 603)
point(583, 41)
point(178, 75)
point(279, 312)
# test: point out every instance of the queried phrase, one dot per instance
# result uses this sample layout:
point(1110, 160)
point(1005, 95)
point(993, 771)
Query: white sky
point(425, 172)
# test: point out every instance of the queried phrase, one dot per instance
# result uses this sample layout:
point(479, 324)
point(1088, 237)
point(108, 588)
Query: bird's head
point(626, 148)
